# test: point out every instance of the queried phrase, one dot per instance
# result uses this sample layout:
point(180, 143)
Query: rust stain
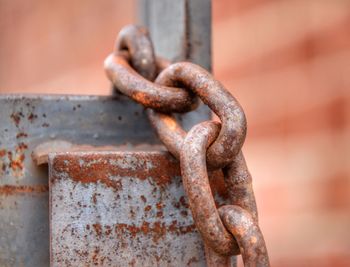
point(17, 163)
point(183, 202)
point(98, 229)
point(141, 97)
point(145, 228)
point(143, 198)
point(21, 147)
point(159, 205)
point(21, 135)
point(16, 117)
point(32, 117)
point(184, 213)
point(15, 159)
point(8, 190)
point(176, 204)
point(94, 168)
point(148, 208)
point(108, 230)
point(86, 174)
point(95, 256)
point(156, 229)
point(192, 260)
point(94, 198)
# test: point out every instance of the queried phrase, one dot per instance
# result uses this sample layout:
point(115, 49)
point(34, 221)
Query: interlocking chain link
point(165, 88)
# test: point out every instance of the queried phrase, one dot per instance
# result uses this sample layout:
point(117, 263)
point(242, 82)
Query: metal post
point(180, 30)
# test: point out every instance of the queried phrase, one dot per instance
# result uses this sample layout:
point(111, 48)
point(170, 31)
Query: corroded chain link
point(165, 88)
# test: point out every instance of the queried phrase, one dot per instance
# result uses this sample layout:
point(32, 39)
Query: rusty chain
point(165, 88)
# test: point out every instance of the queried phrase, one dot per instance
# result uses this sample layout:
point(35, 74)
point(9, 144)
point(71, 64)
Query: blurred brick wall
point(58, 46)
point(288, 63)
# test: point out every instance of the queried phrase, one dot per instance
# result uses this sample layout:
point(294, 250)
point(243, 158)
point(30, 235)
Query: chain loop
point(232, 228)
point(219, 100)
point(136, 40)
point(133, 44)
point(246, 231)
point(240, 218)
point(150, 95)
point(197, 187)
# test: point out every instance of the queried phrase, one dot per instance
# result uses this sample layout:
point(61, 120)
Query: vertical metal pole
point(181, 31)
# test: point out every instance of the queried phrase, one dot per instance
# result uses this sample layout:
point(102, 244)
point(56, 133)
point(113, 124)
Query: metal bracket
point(120, 208)
point(29, 121)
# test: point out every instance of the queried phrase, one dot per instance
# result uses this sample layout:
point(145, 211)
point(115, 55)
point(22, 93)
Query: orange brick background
point(288, 63)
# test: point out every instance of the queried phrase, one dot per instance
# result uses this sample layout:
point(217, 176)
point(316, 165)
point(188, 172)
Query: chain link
point(150, 95)
point(233, 130)
point(135, 39)
point(230, 229)
point(246, 231)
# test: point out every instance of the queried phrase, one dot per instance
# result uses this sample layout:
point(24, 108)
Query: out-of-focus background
point(287, 62)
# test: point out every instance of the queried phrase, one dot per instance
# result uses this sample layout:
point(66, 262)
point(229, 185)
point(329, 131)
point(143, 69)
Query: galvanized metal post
point(180, 30)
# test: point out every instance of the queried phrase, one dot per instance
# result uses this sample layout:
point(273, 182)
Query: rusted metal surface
point(247, 233)
point(120, 209)
point(26, 122)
